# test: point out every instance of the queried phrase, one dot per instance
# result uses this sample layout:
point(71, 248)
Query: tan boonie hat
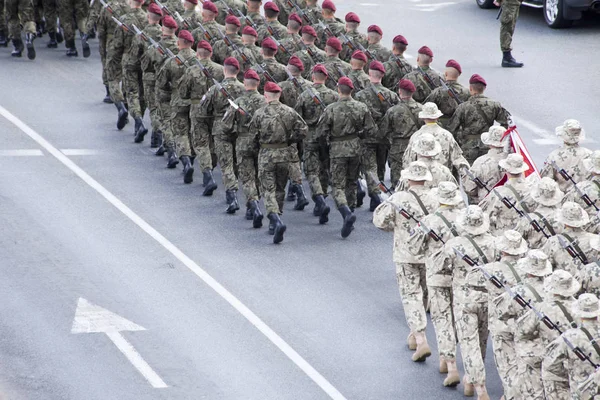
point(447, 193)
point(511, 242)
point(572, 214)
point(586, 306)
point(430, 111)
point(536, 263)
point(473, 220)
point(493, 137)
point(426, 145)
point(570, 131)
point(547, 193)
point(513, 164)
point(561, 283)
point(592, 163)
point(416, 171)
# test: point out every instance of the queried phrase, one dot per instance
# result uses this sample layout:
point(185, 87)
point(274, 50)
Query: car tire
point(553, 14)
point(485, 4)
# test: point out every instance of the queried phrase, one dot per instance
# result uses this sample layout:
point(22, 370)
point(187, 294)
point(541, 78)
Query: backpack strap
point(517, 196)
point(511, 266)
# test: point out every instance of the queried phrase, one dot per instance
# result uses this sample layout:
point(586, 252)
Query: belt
point(273, 145)
point(195, 101)
point(342, 138)
point(400, 140)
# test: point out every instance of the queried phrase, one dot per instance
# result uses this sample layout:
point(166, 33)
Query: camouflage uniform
point(355, 37)
point(508, 22)
point(314, 12)
point(256, 17)
point(451, 155)
point(471, 119)
point(375, 145)
point(192, 18)
point(214, 104)
point(360, 80)
point(290, 93)
point(485, 168)
point(285, 10)
point(336, 68)
point(561, 259)
point(308, 61)
point(19, 12)
point(445, 103)
point(502, 217)
point(439, 173)
point(162, 96)
point(71, 11)
point(50, 16)
point(569, 157)
point(591, 187)
point(396, 68)
point(275, 126)
point(380, 52)
point(399, 124)
point(423, 88)
point(280, 31)
point(234, 4)
point(221, 51)
point(336, 27)
point(291, 44)
point(213, 28)
point(590, 276)
point(276, 70)
point(547, 219)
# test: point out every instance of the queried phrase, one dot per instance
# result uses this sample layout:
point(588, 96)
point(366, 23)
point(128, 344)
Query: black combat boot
point(59, 36)
point(85, 45)
point(140, 130)
point(3, 39)
point(349, 220)
point(209, 182)
point(172, 161)
point(18, 48)
point(232, 201)
point(278, 227)
point(92, 34)
point(188, 169)
point(249, 212)
point(360, 194)
point(107, 98)
point(323, 209)
point(375, 201)
point(257, 215)
point(29, 38)
point(160, 151)
point(508, 61)
point(39, 29)
point(301, 200)
point(71, 49)
point(291, 194)
point(52, 44)
point(122, 116)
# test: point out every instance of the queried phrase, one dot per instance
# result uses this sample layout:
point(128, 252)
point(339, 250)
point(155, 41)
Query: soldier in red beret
point(424, 77)
point(375, 48)
point(295, 84)
point(223, 10)
point(336, 67)
point(396, 67)
point(310, 53)
point(358, 61)
point(209, 15)
point(351, 38)
point(270, 69)
point(290, 43)
point(272, 26)
point(330, 26)
point(226, 47)
point(449, 97)
point(190, 14)
point(249, 38)
point(253, 16)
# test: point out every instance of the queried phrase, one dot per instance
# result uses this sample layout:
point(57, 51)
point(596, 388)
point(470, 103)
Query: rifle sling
point(478, 249)
point(592, 340)
point(566, 313)
point(511, 266)
point(416, 196)
point(546, 223)
point(448, 224)
point(536, 295)
point(576, 248)
point(518, 197)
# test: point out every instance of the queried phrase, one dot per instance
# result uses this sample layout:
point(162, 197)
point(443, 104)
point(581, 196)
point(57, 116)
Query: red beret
point(359, 55)
point(233, 20)
point(377, 66)
point(210, 6)
point(186, 35)
point(154, 9)
point(296, 62)
point(295, 17)
point(169, 22)
point(309, 30)
point(268, 43)
point(251, 74)
point(204, 45)
point(320, 68)
point(376, 29)
point(476, 78)
point(248, 30)
point(352, 17)
point(454, 64)
point(400, 39)
point(425, 50)
point(192, 1)
point(334, 43)
point(272, 87)
point(271, 6)
point(407, 85)
point(232, 62)
point(344, 80)
point(328, 5)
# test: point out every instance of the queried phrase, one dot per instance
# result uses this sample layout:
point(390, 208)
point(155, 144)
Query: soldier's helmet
point(536, 263)
point(416, 171)
point(511, 242)
point(572, 214)
point(586, 306)
point(546, 192)
point(514, 164)
point(570, 131)
point(447, 193)
point(493, 137)
point(562, 283)
point(427, 146)
point(430, 111)
point(473, 221)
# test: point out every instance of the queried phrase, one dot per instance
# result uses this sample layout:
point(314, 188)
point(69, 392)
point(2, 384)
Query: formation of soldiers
point(295, 93)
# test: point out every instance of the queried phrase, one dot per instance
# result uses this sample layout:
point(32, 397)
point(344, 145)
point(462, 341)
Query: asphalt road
point(330, 307)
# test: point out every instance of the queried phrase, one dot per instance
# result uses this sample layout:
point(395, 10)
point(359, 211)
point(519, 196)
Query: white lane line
point(79, 152)
point(281, 344)
point(21, 153)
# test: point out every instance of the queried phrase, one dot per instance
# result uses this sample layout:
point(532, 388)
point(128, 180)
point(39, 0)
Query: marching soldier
point(588, 191)
point(191, 15)
point(249, 38)
point(360, 80)
point(21, 14)
point(353, 35)
point(253, 14)
point(396, 67)
point(329, 23)
point(271, 24)
point(209, 13)
point(295, 85)
point(374, 36)
point(270, 69)
point(310, 54)
point(71, 11)
point(425, 78)
point(223, 47)
point(336, 67)
point(447, 99)
point(290, 43)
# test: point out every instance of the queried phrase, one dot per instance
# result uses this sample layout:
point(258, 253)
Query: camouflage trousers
point(344, 174)
point(395, 159)
point(508, 22)
point(50, 15)
point(73, 11)
point(557, 390)
point(471, 313)
point(368, 167)
point(316, 171)
point(104, 40)
point(411, 279)
point(381, 154)
point(164, 114)
point(472, 149)
point(505, 359)
point(19, 12)
point(134, 92)
point(530, 380)
point(202, 139)
point(247, 163)
point(180, 129)
point(295, 167)
point(148, 83)
point(442, 317)
point(273, 177)
point(225, 150)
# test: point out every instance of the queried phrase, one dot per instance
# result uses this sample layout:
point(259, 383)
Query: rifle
point(206, 34)
point(310, 52)
point(382, 186)
point(159, 47)
point(567, 177)
point(569, 247)
point(316, 98)
point(228, 96)
point(536, 225)
point(579, 353)
point(281, 47)
point(380, 96)
point(432, 234)
point(427, 78)
point(107, 7)
point(294, 79)
point(300, 12)
point(204, 70)
point(229, 9)
point(450, 91)
point(269, 28)
point(261, 70)
point(235, 48)
point(236, 107)
point(499, 13)
point(178, 60)
point(182, 21)
point(326, 29)
point(164, 8)
point(249, 20)
point(477, 181)
point(121, 25)
point(472, 263)
point(508, 204)
point(367, 52)
point(348, 42)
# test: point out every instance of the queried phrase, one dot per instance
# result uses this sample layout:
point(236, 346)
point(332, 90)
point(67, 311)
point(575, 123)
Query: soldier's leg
point(26, 14)
point(395, 161)
point(246, 169)
point(369, 170)
point(50, 14)
point(352, 172)
point(225, 150)
point(324, 171)
point(132, 92)
point(267, 177)
point(382, 156)
point(149, 86)
point(440, 300)
point(508, 22)
point(531, 385)
point(3, 26)
point(282, 176)
point(467, 328)
point(339, 175)
point(12, 16)
point(312, 170)
point(201, 143)
point(506, 363)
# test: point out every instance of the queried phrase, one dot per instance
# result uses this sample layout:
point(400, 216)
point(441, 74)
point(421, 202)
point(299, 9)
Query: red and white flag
point(518, 146)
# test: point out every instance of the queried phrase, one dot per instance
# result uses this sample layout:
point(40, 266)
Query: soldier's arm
point(553, 364)
point(502, 115)
point(384, 217)
point(456, 120)
point(93, 16)
point(299, 127)
point(324, 125)
point(369, 126)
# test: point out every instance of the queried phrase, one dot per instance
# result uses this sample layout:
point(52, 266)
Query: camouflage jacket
point(336, 26)
point(547, 218)
point(221, 51)
point(380, 52)
point(237, 124)
point(119, 51)
point(277, 71)
point(560, 257)
point(314, 12)
point(502, 217)
point(343, 124)
point(354, 37)
point(589, 277)
point(360, 80)
point(290, 93)
point(194, 84)
point(192, 19)
point(451, 155)
point(215, 103)
point(378, 108)
point(475, 116)
point(487, 170)
point(570, 158)
point(388, 218)
point(100, 17)
point(396, 68)
point(424, 89)
point(280, 31)
point(439, 173)
point(318, 56)
point(233, 4)
point(285, 10)
point(310, 111)
point(156, 62)
point(212, 28)
point(173, 5)
point(445, 103)
point(277, 124)
point(139, 49)
point(336, 68)
point(590, 187)
point(506, 272)
point(400, 123)
point(169, 76)
point(291, 44)
point(256, 18)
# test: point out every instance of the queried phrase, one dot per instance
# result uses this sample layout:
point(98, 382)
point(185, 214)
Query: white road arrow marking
point(90, 318)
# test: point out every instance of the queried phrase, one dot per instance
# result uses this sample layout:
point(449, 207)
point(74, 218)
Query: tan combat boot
point(469, 390)
point(423, 351)
point(481, 392)
point(443, 366)
point(453, 377)
point(411, 341)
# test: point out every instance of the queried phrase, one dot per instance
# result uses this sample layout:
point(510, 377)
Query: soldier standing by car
point(509, 14)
